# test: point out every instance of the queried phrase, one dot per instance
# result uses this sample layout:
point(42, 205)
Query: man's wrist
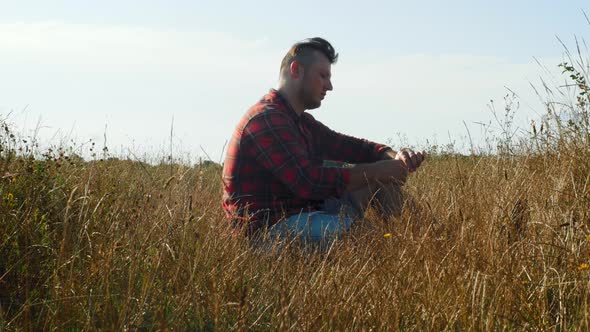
point(388, 154)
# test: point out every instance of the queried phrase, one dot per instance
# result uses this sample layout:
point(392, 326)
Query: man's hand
point(412, 159)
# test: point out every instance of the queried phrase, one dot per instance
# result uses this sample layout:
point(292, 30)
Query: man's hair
point(303, 52)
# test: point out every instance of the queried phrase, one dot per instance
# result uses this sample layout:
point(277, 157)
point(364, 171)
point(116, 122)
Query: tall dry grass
point(494, 242)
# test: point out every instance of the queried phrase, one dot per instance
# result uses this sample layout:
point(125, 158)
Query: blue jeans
point(319, 228)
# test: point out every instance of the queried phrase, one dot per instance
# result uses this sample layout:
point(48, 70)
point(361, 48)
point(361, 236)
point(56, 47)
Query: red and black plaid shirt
point(274, 163)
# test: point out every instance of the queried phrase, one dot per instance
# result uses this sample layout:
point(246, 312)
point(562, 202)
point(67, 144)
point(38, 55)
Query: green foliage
point(580, 122)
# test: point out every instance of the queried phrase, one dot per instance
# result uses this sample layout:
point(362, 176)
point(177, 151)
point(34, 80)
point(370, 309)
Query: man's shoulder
point(266, 114)
point(264, 108)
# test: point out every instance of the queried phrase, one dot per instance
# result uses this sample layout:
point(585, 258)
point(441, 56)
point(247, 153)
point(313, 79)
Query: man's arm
point(340, 147)
point(383, 171)
point(274, 146)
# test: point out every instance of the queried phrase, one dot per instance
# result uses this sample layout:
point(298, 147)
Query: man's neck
point(292, 100)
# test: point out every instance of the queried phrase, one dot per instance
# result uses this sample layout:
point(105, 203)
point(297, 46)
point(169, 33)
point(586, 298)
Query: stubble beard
point(307, 99)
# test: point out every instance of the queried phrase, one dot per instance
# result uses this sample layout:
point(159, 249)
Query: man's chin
point(314, 105)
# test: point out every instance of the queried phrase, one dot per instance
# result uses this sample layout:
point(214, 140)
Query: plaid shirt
point(274, 164)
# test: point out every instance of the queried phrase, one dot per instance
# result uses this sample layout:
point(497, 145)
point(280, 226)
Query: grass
point(495, 242)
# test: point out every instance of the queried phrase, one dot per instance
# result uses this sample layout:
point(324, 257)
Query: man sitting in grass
point(275, 177)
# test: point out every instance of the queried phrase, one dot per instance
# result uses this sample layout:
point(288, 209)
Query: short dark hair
point(303, 52)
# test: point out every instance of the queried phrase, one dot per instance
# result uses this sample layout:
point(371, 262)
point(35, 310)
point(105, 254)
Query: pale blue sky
point(419, 69)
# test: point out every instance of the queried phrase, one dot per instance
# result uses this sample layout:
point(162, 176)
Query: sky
point(135, 74)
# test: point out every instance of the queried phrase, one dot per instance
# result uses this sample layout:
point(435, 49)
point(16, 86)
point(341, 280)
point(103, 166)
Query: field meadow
point(495, 240)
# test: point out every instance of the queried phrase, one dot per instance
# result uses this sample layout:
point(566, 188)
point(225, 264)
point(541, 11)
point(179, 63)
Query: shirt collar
point(275, 96)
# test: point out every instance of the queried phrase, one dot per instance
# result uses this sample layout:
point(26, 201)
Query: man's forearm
point(383, 171)
point(387, 154)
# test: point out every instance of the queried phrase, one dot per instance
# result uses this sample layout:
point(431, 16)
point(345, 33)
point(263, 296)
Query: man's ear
point(295, 69)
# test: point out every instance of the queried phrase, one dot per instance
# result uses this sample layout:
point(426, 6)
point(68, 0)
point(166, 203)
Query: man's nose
point(329, 87)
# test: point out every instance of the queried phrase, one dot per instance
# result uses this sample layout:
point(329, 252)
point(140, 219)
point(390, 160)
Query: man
point(274, 175)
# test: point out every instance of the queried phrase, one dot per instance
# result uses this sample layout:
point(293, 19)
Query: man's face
point(316, 82)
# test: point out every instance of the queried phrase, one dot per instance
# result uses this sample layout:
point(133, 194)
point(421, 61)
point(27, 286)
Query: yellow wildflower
point(583, 266)
point(387, 235)
point(8, 200)
point(588, 237)
point(14, 180)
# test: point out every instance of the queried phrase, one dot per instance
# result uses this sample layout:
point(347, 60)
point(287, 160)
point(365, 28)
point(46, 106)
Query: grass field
point(495, 242)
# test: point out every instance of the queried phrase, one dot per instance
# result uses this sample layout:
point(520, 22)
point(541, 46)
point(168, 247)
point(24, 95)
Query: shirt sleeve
point(339, 147)
point(277, 147)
